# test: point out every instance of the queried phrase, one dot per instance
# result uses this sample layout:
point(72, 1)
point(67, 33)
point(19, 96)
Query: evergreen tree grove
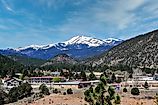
point(102, 94)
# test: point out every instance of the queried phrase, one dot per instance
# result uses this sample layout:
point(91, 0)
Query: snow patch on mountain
point(35, 47)
point(91, 42)
point(85, 40)
point(110, 40)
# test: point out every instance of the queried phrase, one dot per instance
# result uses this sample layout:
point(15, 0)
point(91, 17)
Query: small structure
point(56, 73)
point(11, 82)
point(143, 78)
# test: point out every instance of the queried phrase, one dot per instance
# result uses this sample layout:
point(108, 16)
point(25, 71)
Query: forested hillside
point(8, 66)
point(140, 51)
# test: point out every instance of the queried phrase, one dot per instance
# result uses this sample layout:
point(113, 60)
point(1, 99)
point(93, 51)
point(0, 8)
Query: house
point(11, 82)
point(143, 78)
point(56, 73)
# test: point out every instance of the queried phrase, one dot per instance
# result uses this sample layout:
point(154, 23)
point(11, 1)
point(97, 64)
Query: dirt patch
point(55, 99)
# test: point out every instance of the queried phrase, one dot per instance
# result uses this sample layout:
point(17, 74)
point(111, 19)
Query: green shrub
point(64, 93)
point(135, 91)
point(44, 89)
point(124, 90)
point(146, 85)
point(69, 91)
point(117, 99)
point(118, 80)
point(56, 79)
point(55, 91)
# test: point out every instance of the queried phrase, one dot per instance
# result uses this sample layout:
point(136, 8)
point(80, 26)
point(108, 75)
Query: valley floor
point(56, 99)
point(145, 98)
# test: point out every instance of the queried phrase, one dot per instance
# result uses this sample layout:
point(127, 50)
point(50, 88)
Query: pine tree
point(117, 99)
point(44, 89)
point(92, 76)
point(146, 86)
point(97, 96)
point(83, 76)
point(113, 78)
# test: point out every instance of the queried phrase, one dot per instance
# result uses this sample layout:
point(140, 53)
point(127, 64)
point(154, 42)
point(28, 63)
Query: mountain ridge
point(80, 47)
point(140, 51)
point(74, 40)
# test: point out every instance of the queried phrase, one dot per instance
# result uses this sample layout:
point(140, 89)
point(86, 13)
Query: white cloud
point(101, 16)
point(120, 13)
point(105, 17)
point(7, 6)
point(110, 17)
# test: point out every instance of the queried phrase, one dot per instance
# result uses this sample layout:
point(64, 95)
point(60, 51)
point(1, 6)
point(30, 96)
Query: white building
point(142, 78)
point(11, 82)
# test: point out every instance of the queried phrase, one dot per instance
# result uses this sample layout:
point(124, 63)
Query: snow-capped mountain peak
point(110, 40)
point(85, 40)
point(91, 42)
point(35, 47)
point(77, 47)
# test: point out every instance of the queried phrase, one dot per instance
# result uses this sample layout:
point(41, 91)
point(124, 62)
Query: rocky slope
point(141, 51)
point(60, 59)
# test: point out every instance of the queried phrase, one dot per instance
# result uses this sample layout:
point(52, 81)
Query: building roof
point(131, 82)
point(18, 74)
point(75, 82)
point(13, 79)
point(55, 73)
point(67, 83)
point(47, 77)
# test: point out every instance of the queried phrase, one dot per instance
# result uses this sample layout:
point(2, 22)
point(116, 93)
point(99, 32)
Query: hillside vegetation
point(9, 66)
point(140, 51)
point(27, 60)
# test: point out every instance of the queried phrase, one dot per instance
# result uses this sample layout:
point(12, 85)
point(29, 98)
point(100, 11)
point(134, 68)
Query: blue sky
point(25, 22)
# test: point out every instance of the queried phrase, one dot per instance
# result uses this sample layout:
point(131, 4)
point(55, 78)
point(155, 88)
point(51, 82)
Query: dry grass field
point(145, 98)
point(78, 99)
point(55, 99)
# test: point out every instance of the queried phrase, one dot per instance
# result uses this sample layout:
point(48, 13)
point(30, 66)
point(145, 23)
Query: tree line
point(15, 93)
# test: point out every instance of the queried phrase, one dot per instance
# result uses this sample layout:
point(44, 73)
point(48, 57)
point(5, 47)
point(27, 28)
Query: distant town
point(123, 83)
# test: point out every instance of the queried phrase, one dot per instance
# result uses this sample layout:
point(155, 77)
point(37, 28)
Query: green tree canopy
point(83, 76)
point(44, 89)
point(102, 94)
point(56, 79)
point(92, 76)
point(146, 85)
